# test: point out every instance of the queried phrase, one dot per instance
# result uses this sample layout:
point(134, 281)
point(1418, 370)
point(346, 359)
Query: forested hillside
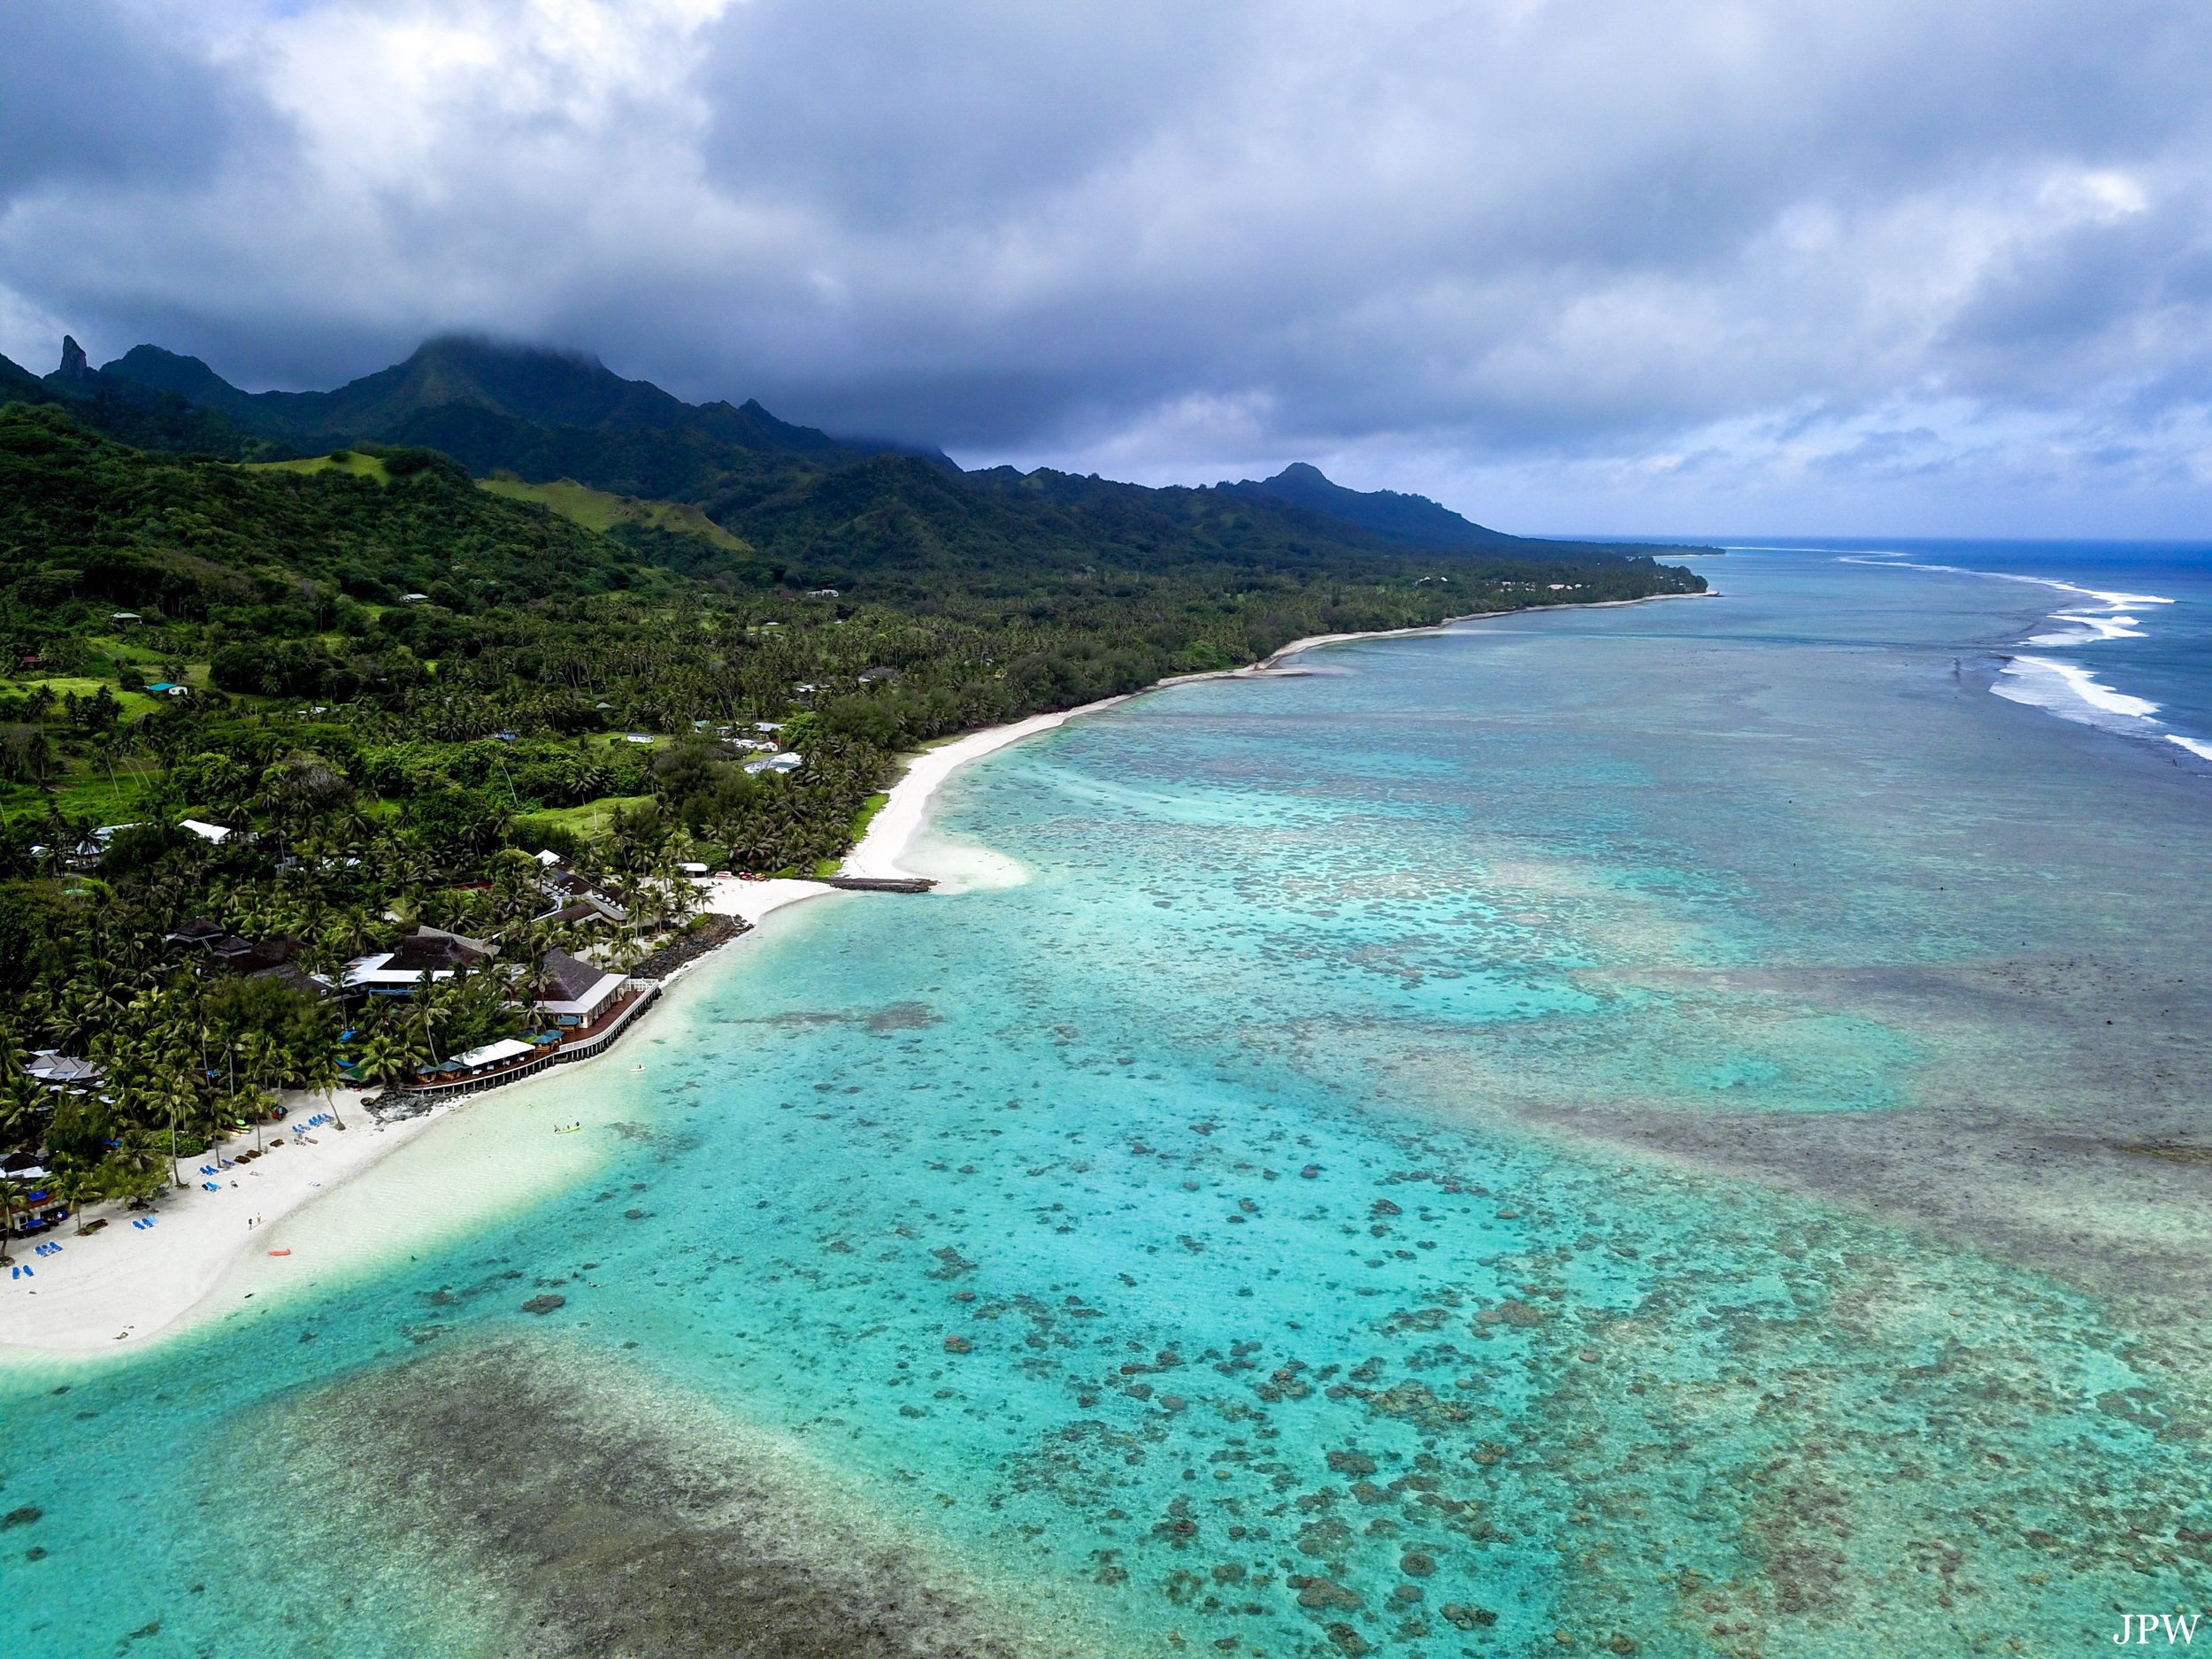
point(543, 417)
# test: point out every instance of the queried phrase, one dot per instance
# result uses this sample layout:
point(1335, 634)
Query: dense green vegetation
point(394, 681)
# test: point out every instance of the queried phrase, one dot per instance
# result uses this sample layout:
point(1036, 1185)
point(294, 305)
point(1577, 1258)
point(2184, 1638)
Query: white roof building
point(213, 832)
point(57, 1070)
point(494, 1054)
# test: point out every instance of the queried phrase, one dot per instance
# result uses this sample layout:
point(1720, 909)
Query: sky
point(1681, 266)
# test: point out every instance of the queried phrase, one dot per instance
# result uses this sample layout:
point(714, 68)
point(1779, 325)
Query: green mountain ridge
point(1407, 520)
point(530, 384)
point(802, 496)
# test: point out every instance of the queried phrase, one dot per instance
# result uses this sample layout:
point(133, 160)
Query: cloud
point(99, 95)
point(1591, 259)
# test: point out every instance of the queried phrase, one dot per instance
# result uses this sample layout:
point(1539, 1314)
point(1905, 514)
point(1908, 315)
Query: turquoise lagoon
point(1669, 1130)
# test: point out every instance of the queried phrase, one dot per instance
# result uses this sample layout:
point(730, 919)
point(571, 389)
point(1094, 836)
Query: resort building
point(572, 896)
point(429, 953)
point(572, 992)
point(292, 974)
point(61, 1071)
point(491, 1057)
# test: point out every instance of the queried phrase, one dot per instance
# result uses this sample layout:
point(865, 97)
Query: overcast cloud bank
point(1681, 266)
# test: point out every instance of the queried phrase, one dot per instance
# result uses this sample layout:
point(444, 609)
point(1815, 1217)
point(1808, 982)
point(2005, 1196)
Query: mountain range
point(809, 501)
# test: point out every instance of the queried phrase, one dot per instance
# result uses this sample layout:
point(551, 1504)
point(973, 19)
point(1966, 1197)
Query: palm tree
point(318, 1070)
point(170, 1094)
point(14, 1196)
point(76, 1016)
point(434, 1007)
point(259, 1051)
point(389, 1055)
point(137, 1155)
point(77, 1188)
point(22, 1101)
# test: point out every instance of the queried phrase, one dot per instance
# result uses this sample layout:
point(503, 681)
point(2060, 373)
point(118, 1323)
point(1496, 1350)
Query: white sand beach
point(124, 1283)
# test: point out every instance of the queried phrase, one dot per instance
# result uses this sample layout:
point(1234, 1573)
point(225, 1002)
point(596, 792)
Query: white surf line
point(2113, 600)
point(2032, 681)
point(2068, 690)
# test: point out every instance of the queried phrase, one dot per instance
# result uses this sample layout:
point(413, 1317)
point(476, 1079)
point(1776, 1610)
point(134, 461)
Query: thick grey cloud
point(1876, 265)
point(94, 93)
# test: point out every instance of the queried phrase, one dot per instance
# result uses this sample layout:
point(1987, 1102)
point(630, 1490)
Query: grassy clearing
point(590, 819)
point(621, 740)
point(133, 703)
point(350, 462)
point(598, 509)
point(104, 800)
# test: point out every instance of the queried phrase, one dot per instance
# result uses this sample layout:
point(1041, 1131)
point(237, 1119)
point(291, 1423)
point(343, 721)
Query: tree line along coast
point(348, 738)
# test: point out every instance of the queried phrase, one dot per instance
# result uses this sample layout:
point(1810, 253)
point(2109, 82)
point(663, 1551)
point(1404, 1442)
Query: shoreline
point(199, 1250)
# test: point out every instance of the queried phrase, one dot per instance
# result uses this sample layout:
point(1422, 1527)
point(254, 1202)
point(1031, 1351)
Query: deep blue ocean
point(2128, 641)
point(1678, 1130)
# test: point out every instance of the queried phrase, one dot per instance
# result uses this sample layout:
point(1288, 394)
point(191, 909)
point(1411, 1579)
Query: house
point(125, 616)
point(214, 834)
point(584, 913)
point(199, 935)
point(252, 957)
point(61, 1071)
point(870, 676)
point(428, 954)
point(85, 854)
point(292, 974)
point(169, 688)
point(568, 890)
point(787, 762)
point(695, 870)
point(550, 859)
point(574, 991)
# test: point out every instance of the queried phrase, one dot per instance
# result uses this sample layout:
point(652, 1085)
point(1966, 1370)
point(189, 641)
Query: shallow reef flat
point(1678, 1132)
point(595, 1513)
